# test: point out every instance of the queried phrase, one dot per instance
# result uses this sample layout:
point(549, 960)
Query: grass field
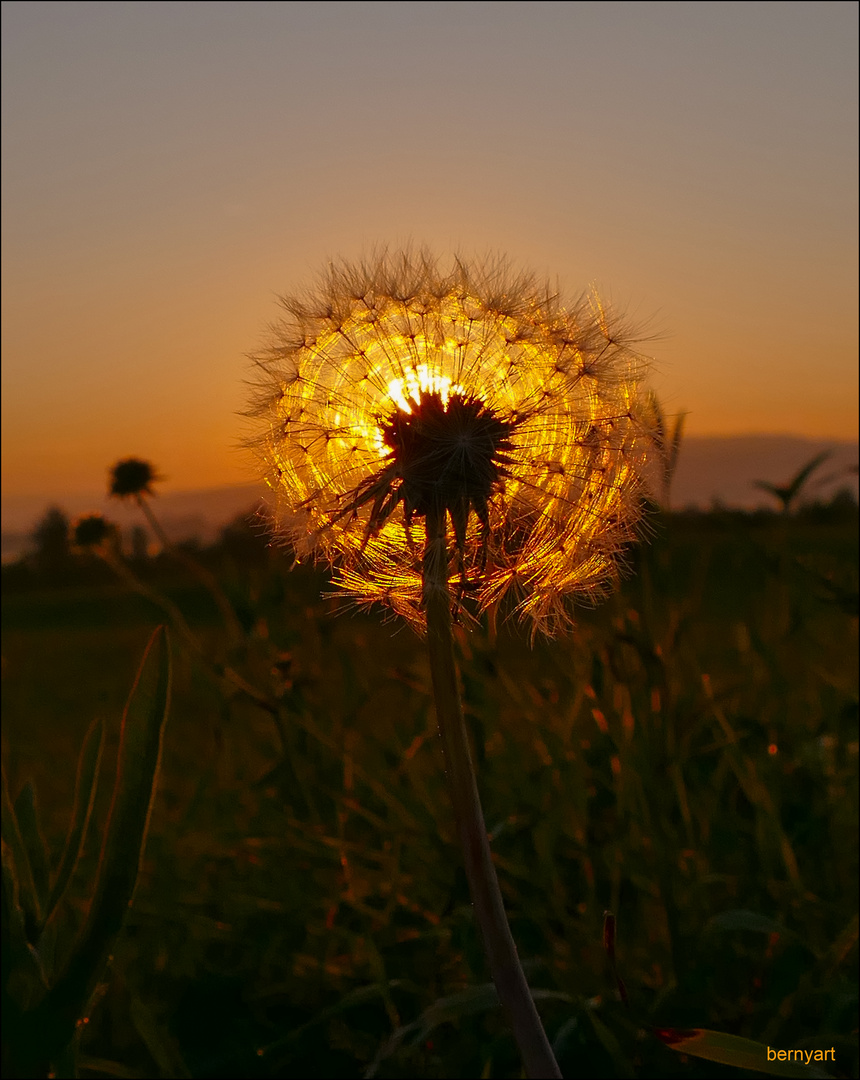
point(686, 759)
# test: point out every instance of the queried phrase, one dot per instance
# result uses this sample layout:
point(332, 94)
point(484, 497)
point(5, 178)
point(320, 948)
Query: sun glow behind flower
point(421, 380)
point(399, 388)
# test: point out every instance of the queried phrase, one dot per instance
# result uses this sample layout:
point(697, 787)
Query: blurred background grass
point(686, 759)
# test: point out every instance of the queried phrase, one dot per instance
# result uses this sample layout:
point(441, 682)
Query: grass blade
point(361, 995)
point(21, 868)
point(469, 1002)
point(27, 814)
point(23, 980)
point(53, 1023)
point(741, 1053)
point(86, 783)
point(159, 1043)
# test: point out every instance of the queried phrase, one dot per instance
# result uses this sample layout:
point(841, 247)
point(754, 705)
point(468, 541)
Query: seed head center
point(447, 454)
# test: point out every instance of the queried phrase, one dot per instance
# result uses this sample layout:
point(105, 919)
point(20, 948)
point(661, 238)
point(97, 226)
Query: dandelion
point(95, 535)
point(397, 391)
point(452, 441)
point(92, 530)
point(132, 478)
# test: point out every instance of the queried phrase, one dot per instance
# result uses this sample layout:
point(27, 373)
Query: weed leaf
point(19, 861)
point(86, 783)
point(733, 1050)
point(53, 1023)
point(27, 815)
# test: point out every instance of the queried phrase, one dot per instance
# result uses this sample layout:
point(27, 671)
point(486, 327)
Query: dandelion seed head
point(396, 389)
point(92, 530)
point(132, 476)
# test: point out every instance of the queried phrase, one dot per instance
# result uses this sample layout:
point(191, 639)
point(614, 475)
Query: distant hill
point(724, 470)
point(710, 471)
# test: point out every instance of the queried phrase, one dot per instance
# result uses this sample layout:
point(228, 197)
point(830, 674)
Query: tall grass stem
point(221, 672)
point(207, 579)
point(505, 966)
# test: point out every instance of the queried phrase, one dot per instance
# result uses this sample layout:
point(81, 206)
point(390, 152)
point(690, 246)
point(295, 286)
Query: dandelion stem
point(221, 672)
point(234, 630)
point(504, 962)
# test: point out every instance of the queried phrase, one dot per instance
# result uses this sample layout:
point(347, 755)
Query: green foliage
point(687, 760)
point(739, 1053)
point(50, 978)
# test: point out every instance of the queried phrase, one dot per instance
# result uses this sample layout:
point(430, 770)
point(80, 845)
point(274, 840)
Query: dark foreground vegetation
point(686, 760)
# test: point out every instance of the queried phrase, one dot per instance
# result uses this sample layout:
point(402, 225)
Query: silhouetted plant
point(50, 539)
point(46, 1003)
point(667, 442)
point(139, 544)
point(92, 530)
point(788, 495)
point(133, 478)
point(94, 533)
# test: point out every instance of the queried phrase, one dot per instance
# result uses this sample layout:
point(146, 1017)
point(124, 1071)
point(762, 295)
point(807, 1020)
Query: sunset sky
point(169, 169)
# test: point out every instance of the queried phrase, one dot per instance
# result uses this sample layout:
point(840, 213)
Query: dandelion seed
point(92, 530)
point(397, 389)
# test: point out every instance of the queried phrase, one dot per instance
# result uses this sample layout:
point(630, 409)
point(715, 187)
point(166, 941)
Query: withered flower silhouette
point(424, 429)
point(132, 478)
point(91, 530)
point(396, 388)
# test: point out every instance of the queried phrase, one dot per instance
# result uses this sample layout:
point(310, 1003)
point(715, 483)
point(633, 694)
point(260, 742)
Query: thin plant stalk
point(505, 966)
point(207, 579)
point(220, 671)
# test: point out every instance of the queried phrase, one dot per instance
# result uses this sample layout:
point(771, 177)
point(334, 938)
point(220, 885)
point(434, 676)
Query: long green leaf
point(20, 863)
point(742, 1053)
point(86, 787)
point(741, 919)
point(52, 1024)
point(803, 474)
point(468, 1002)
point(27, 814)
point(164, 1049)
point(359, 996)
point(86, 784)
point(114, 1069)
point(23, 980)
point(623, 1065)
point(843, 945)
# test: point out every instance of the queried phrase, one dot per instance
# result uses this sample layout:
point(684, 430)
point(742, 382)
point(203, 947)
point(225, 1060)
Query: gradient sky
point(170, 168)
